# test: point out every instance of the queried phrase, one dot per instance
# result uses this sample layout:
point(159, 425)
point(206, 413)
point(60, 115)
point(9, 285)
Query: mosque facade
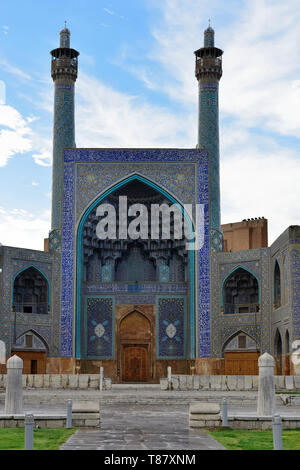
point(136, 305)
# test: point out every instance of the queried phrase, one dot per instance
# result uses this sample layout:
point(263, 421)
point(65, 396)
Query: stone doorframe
point(121, 312)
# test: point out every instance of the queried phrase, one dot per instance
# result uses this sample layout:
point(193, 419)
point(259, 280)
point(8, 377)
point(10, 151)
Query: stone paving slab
point(135, 427)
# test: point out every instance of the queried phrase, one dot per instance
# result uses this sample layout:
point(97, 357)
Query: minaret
point(64, 68)
point(208, 73)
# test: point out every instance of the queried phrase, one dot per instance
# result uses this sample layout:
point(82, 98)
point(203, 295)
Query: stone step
point(140, 395)
point(162, 398)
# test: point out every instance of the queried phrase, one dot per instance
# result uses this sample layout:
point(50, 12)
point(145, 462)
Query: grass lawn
point(235, 439)
point(43, 439)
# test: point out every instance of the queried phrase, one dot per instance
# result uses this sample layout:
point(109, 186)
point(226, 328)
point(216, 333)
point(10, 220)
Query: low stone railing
point(288, 383)
point(61, 381)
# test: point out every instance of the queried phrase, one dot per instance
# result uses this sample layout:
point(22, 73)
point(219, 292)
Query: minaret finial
point(65, 37)
point(209, 36)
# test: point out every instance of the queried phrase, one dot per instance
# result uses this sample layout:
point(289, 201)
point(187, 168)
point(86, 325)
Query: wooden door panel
point(135, 363)
point(28, 357)
point(239, 363)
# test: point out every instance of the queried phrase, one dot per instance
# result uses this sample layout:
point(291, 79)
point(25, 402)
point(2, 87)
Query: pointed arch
point(37, 335)
point(278, 351)
point(277, 285)
point(79, 231)
point(251, 344)
point(277, 343)
point(135, 314)
point(38, 295)
point(287, 342)
point(244, 295)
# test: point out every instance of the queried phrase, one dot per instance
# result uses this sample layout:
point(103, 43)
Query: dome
point(209, 30)
point(65, 30)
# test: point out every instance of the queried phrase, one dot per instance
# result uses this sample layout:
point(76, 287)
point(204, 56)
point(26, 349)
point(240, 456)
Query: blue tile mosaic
point(99, 320)
point(171, 327)
point(164, 167)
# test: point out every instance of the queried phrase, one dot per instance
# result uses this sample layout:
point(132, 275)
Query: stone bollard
point(101, 379)
point(277, 432)
point(14, 387)
point(29, 425)
point(69, 415)
point(169, 377)
point(266, 386)
point(224, 413)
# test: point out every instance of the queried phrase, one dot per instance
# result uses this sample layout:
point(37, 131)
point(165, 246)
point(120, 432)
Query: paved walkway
point(138, 427)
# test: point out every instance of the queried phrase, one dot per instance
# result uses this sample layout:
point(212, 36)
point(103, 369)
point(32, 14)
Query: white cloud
point(15, 134)
point(18, 137)
point(260, 181)
point(21, 228)
point(9, 68)
point(259, 96)
point(108, 118)
point(110, 12)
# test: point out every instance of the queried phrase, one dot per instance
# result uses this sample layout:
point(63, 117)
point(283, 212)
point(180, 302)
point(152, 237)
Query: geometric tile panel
point(99, 327)
point(171, 327)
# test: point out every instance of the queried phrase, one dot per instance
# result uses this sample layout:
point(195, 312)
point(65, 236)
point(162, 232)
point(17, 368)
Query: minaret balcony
point(64, 67)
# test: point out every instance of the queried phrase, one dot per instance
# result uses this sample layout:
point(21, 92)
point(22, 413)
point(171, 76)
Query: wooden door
point(135, 363)
point(33, 362)
point(241, 363)
point(135, 347)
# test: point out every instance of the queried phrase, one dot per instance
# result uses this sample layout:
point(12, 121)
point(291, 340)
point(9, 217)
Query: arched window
point(278, 352)
point(30, 292)
point(277, 286)
point(240, 292)
point(287, 342)
point(277, 344)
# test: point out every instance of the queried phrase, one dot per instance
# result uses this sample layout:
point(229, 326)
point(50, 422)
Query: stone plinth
point(14, 386)
point(86, 413)
point(266, 386)
point(204, 415)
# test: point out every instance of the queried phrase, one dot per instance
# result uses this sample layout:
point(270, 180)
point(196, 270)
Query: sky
point(136, 88)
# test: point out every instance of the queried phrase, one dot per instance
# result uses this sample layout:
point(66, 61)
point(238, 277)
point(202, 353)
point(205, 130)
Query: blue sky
point(136, 88)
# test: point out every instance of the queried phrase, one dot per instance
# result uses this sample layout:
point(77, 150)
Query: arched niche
point(277, 285)
point(278, 352)
point(240, 292)
point(278, 344)
point(97, 260)
point(287, 342)
point(135, 327)
point(126, 259)
point(31, 291)
point(241, 352)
